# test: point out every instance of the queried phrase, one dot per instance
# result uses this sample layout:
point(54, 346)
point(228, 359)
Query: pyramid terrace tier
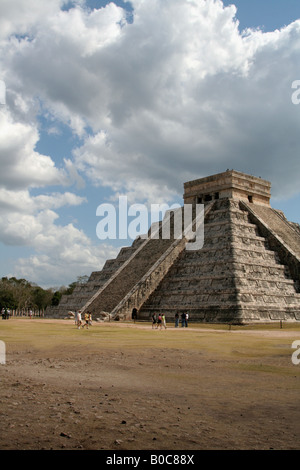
point(247, 270)
point(235, 269)
point(229, 313)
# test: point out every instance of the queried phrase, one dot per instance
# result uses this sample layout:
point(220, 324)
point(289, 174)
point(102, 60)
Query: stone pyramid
point(248, 269)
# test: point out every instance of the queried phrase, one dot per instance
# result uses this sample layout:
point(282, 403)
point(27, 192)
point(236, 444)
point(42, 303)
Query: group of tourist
point(184, 319)
point(5, 312)
point(87, 320)
point(159, 321)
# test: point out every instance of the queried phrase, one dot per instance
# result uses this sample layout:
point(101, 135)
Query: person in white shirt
point(79, 321)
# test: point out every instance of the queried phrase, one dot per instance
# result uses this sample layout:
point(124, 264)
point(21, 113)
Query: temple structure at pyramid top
point(229, 184)
point(248, 269)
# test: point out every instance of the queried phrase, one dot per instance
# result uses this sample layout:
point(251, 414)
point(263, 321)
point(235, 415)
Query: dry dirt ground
point(126, 386)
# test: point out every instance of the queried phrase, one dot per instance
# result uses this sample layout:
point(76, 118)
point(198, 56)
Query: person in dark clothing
point(134, 314)
point(154, 321)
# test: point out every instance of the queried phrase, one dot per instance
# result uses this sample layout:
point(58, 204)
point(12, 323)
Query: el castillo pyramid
point(248, 269)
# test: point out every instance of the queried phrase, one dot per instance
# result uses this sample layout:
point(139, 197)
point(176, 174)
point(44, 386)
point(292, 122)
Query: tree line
point(18, 294)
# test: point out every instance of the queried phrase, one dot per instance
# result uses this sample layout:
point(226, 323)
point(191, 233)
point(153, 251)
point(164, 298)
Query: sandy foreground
point(128, 387)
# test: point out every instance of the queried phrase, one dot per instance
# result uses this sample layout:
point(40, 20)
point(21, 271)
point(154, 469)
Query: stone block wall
point(236, 276)
point(248, 270)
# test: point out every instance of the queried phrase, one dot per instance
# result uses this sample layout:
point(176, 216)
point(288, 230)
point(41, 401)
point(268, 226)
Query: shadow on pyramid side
point(248, 269)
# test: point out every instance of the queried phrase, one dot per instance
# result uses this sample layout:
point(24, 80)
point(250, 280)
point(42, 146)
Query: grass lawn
point(220, 340)
point(127, 386)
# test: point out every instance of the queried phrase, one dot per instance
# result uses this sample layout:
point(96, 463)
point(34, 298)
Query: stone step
point(149, 282)
point(229, 262)
point(239, 272)
point(240, 293)
point(178, 278)
point(227, 314)
point(129, 274)
point(275, 222)
point(181, 285)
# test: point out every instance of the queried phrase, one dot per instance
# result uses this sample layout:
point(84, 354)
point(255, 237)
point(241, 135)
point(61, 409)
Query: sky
point(109, 99)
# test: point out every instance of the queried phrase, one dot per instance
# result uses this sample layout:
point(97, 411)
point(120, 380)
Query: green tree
point(7, 299)
point(21, 294)
point(41, 298)
point(56, 297)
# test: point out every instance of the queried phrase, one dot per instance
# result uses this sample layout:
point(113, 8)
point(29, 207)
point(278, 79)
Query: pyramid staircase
point(140, 265)
point(84, 292)
point(235, 277)
point(247, 271)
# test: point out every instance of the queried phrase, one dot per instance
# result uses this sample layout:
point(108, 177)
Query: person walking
point(154, 321)
point(86, 318)
point(186, 319)
point(134, 314)
point(79, 320)
point(159, 321)
point(176, 319)
point(183, 319)
point(163, 317)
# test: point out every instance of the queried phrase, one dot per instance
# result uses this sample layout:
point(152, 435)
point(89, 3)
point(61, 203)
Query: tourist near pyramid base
point(248, 269)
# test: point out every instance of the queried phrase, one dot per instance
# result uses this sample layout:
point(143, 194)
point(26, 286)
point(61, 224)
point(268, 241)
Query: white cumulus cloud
point(175, 94)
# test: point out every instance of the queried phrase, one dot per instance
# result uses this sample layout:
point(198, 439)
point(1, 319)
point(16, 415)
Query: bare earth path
point(126, 386)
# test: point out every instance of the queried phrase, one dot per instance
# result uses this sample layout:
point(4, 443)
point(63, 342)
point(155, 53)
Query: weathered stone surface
point(248, 269)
